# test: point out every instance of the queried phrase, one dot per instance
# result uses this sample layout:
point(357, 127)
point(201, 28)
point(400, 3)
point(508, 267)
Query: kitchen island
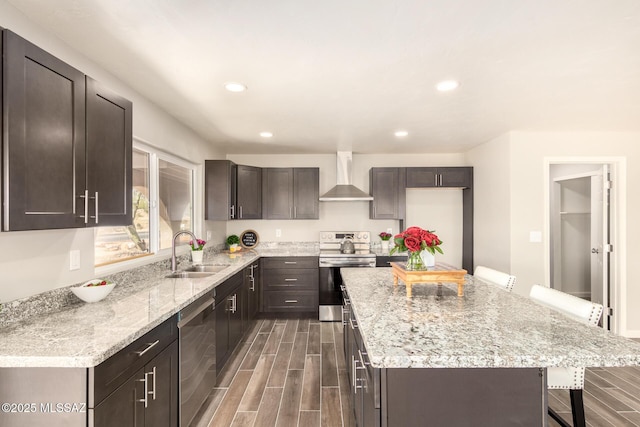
point(477, 359)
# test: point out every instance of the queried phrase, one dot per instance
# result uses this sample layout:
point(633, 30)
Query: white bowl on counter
point(89, 292)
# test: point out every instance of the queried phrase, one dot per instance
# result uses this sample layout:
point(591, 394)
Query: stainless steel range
point(340, 249)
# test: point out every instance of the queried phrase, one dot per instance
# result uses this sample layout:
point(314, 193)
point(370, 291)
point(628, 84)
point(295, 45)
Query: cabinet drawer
point(302, 279)
point(111, 373)
point(290, 301)
point(290, 262)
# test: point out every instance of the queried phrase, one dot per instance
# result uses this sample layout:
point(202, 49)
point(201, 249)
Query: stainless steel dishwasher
point(197, 332)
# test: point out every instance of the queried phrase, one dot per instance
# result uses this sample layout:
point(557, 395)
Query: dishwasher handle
point(192, 314)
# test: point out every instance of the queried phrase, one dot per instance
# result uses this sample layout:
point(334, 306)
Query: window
point(162, 204)
point(175, 209)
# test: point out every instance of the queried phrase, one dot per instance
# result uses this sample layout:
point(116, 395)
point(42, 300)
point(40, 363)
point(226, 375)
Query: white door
point(580, 235)
point(600, 185)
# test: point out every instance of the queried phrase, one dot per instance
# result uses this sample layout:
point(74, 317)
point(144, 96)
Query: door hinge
point(608, 185)
point(607, 248)
point(609, 311)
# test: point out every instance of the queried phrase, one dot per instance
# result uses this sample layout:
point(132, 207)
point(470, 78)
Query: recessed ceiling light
point(401, 133)
point(447, 85)
point(266, 134)
point(235, 87)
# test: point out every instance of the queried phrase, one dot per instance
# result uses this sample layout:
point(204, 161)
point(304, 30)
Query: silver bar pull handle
point(295, 212)
point(290, 280)
point(153, 392)
point(290, 262)
point(253, 284)
point(95, 197)
point(240, 212)
point(149, 347)
point(85, 196)
point(291, 301)
point(144, 400)
point(233, 211)
point(353, 325)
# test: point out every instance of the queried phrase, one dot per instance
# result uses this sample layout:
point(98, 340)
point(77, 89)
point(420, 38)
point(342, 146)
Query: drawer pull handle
point(149, 347)
point(290, 262)
point(291, 301)
point(290, 280)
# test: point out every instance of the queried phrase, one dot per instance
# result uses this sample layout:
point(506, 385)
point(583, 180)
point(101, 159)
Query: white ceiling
point(344, 75)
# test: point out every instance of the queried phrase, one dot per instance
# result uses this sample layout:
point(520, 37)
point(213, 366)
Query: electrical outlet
point(74, 260)
point(208, 235)
point(390, 230)
point(278, 232)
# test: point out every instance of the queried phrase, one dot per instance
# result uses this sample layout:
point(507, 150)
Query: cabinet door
point(222, 333)
point(162, 389)
point(387, 189)
point(455, 177)
point(235, 318)
point(108, 156)
point(422, 177)
point(249, 192)
point(306, 191)
point(278, 193)
point(220, 190)
point(44, 137)
point(125, 406)
point(253, 291)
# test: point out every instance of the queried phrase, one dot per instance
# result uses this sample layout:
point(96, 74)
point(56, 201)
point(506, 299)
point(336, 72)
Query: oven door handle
point(343, 264)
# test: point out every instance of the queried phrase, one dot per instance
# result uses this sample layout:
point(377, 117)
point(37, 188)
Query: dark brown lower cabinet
point(148, 398)
point(230, 302)
point(252, 290)
point(290, 285)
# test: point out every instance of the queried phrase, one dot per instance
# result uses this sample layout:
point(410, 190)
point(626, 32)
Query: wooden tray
point(438, 274)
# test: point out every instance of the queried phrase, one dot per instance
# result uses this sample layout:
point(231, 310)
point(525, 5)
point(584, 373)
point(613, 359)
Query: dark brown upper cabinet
point(291, 193)
point(108, 157)
point(232, 191)
point(54, 161)
point(439, 177)
point(249, 192)
point(388, 191)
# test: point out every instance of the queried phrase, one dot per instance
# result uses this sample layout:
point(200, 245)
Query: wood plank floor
point(286, 372)
point(291, 372)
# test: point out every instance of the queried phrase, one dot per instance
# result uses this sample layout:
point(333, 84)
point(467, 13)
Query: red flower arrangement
point(416, 239)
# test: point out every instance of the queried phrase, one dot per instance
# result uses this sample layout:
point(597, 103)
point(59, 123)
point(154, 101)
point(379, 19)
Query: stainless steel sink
point(207, 268)
point(189, 274)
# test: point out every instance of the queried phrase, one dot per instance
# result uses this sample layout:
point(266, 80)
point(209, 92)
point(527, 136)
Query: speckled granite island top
point(487, 327)
point(87, 334)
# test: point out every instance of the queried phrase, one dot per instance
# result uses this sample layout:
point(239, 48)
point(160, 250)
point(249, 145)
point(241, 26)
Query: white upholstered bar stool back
point(571, 379)
point(496, 277)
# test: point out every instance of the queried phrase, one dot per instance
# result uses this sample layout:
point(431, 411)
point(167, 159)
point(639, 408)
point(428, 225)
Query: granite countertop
point(84, 335)
point(487, 327)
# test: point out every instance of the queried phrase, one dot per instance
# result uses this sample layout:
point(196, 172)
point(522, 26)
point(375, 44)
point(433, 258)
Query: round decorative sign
point(249, 239)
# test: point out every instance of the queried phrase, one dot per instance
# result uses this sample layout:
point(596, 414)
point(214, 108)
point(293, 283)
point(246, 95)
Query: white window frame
point(155, 253)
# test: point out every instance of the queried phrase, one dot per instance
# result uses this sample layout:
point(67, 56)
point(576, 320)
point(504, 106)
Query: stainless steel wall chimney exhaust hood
point(344, 191)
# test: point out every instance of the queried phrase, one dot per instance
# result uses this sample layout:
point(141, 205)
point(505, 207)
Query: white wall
point(524, 169)
point(492, 203)
point(37, 261)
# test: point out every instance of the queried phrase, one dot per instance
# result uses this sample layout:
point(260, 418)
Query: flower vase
point(414, 262)
point(428, 259)
point(384, 245)
point(196, 257)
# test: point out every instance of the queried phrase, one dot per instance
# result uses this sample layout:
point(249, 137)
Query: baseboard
point(631, 333)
